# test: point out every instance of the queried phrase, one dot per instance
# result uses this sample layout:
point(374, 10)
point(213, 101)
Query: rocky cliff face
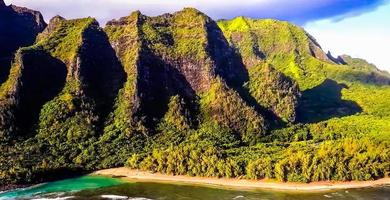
point(36, 77)
point(18, 27)
point(182, 54)
point(71, 72)
point(269, 88)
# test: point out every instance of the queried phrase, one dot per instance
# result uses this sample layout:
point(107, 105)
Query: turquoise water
point(61, 187)
point(94, 187)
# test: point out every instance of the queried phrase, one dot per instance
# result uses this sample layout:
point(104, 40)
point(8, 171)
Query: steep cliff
point(18, 28)
point(71, 73)
point(180, 54)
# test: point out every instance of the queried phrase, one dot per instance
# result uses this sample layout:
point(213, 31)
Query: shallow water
point(60, 188)
point(107, 188)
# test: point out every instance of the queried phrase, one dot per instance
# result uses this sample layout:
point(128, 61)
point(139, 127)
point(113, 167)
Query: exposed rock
point(18, 27)
point(317, 51)
point(275, 94)
point(183, 54)
point(53, 24)
point(339, 60)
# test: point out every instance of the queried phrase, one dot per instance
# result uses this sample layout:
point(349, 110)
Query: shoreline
point(5, 188)
point(234, 183)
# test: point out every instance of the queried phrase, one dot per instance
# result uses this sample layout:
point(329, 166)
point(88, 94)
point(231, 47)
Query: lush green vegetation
point(274, 91)
point(341, 160)
point(177, 113)
point(225, 108)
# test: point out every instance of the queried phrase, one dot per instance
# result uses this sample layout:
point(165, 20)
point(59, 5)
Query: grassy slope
point(283, 40)
point(286, 47)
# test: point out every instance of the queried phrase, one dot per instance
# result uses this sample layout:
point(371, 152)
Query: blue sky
point(360, 28)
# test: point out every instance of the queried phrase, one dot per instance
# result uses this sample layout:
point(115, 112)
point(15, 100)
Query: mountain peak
point(191, 10)
point(339, 60)
point(56, 19)
point(136, 13)
point(133, 17)
point(20, 24)
point(53, 24)
point(239, 24)
point(190, 13)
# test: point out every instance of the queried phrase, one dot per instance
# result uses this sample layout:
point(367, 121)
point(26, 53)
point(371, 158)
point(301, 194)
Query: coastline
point(234, 183)
point(5, 188)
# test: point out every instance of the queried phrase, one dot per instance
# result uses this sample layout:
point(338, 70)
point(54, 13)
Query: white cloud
point(366, 36)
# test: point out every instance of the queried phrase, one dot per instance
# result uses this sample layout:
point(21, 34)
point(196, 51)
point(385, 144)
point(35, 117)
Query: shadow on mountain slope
point(43, 77)
point(158, 81)
point(5, 65)
point(101, 71)
point(324, 102)
point(18, 28)
point(230, 66)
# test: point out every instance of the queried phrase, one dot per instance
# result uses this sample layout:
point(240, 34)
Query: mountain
point(291, 50)
point(359, 63)
point(183, 94)
point(295, 53)
point(18, 27)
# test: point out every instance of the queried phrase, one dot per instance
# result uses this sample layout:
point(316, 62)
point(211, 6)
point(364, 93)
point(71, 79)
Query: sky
point(360, 28)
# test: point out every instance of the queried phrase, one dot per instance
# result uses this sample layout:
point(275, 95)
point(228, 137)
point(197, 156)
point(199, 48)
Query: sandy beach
point(138, 175)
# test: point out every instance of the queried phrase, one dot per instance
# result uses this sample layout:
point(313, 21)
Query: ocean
point(97, 187)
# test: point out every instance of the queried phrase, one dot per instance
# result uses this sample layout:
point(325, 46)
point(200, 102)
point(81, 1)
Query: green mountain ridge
point(182, 94)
